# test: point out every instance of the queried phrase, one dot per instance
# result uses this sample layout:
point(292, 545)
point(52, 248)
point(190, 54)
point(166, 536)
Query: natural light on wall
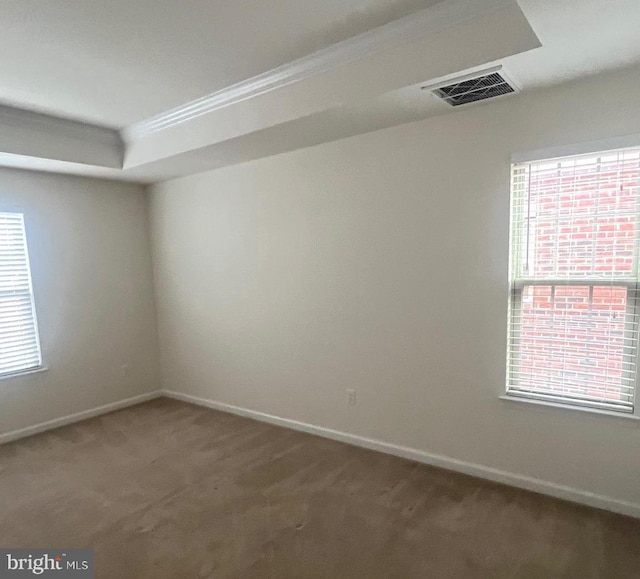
point(19, 343)
point(574, 301)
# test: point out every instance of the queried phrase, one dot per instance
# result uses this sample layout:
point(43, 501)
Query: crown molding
point(425, 22)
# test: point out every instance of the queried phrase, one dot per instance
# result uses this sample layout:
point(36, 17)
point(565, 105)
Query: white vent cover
point(474, 87)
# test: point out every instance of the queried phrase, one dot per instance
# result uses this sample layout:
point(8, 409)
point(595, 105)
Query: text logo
point(58, 563)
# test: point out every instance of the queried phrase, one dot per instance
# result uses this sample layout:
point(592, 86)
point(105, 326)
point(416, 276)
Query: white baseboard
point(477, 470)
point(71, 418)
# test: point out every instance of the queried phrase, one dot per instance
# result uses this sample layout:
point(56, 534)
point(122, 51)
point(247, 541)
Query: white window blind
point(575, 299)
point(19, 343)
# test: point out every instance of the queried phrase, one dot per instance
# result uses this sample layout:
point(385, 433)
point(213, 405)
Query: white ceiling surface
point(579, 38)
point(119, 62)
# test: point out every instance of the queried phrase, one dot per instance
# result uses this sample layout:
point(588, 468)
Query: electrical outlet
point(125, 369)
point(351, 397)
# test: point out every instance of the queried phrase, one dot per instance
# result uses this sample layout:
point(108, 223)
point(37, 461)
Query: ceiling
point(120, 61)
point(117, 64)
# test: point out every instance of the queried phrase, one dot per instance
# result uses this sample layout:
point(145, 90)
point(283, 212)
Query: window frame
point(40, 366)
point(518, 284)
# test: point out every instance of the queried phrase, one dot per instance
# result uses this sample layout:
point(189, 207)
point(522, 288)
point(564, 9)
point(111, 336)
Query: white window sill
point(560, 406)
point(36, 370)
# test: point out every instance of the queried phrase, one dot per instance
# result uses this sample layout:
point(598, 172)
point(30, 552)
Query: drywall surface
point(379, 263)
point(91, 270)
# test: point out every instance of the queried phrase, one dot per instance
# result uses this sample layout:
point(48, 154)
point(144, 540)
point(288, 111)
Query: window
point(574, 300)
point(19, 344)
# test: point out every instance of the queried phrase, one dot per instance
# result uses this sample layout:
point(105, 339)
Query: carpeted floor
point(167, 489)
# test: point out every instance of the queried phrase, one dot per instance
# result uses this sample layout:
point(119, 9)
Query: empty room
point(320, 289)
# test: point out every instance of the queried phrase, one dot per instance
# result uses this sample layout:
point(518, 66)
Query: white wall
point(91, 270)
point(380, 263)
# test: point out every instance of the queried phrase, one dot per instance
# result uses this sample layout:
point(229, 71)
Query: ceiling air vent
point(470, 89)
